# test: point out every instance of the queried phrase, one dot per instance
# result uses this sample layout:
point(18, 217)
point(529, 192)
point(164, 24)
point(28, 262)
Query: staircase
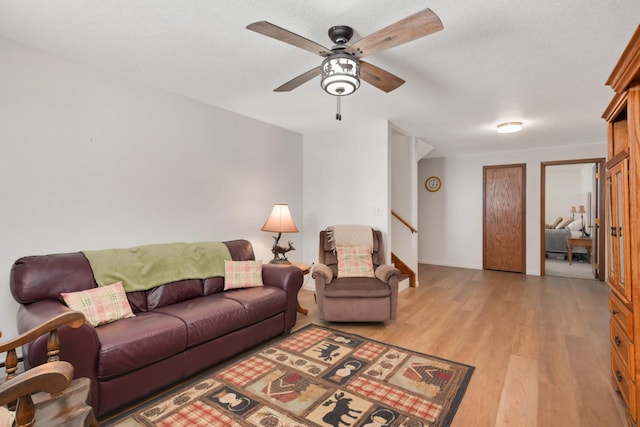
point(407, 273)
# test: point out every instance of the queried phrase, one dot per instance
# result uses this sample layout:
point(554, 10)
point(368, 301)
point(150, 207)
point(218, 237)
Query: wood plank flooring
point(540, 345)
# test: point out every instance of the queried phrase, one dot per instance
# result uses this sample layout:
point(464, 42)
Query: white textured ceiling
point(542, 62)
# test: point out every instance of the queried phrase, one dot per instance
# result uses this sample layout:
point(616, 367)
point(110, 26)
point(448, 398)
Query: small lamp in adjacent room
point(280, 221)
point(573, 212)
point(582, 211)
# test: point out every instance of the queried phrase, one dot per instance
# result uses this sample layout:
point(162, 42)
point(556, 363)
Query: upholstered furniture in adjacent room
point(352, 281)
point(206, 302)
point(555, 237)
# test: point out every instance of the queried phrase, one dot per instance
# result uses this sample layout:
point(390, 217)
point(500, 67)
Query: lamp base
point(279, 252)
point(279, 261)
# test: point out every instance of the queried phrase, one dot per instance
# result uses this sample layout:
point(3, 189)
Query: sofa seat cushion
point(130, 344)
point(357, 287)
point(260, 303)
point(207, 317)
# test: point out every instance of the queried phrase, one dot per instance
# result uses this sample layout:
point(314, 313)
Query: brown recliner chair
point(355, 299)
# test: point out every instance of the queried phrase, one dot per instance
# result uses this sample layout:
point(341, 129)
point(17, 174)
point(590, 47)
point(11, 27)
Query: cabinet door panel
point(617, 227)
point(611, 243)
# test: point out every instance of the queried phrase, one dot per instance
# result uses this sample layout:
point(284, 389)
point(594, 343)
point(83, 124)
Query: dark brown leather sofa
point(179, 328)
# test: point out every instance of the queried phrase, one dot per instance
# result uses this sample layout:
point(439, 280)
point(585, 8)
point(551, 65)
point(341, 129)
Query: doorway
point(503, 218)
point(572, 191)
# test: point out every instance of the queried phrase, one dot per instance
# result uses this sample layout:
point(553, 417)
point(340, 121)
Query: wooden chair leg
point(25, 412)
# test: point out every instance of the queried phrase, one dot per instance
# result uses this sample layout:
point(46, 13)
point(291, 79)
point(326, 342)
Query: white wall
point(346, 174)
point(450, 220)
point(89, 161)
point(404, 198)
point(565, 187)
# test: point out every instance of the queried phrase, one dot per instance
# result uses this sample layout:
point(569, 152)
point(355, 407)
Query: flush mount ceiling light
point(509, 127)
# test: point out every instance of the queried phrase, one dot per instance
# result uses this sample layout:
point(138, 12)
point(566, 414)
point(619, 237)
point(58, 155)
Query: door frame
point(600, 205)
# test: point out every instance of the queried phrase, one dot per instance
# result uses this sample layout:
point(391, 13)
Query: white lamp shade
point(280, 220)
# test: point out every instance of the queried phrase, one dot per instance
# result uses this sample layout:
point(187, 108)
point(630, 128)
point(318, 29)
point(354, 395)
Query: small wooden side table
point(305, 268)
point(578, 242)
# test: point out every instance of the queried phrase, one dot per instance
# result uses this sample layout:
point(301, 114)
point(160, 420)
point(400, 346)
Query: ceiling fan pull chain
point(338, 114)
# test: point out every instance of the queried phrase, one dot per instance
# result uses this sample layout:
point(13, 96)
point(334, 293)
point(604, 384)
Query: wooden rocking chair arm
point(73, 319)
point(52, 377)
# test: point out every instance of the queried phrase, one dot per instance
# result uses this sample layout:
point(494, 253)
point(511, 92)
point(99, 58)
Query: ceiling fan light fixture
point(340, 74)
point(509, 127)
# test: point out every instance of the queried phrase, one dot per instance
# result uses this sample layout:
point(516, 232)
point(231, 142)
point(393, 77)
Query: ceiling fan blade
point(408, 29)
point(302, 78)
point(273, 31)
point(379, 78)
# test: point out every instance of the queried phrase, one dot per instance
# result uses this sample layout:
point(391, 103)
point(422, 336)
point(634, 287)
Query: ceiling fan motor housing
point(340, 34)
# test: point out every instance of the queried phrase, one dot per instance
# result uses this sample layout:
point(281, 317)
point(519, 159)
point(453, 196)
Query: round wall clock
point(433, 183)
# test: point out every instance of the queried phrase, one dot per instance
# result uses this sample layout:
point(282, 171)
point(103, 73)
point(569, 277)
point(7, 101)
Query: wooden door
point(503, 218)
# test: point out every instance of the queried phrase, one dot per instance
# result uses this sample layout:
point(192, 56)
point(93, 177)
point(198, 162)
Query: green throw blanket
point(145, 267)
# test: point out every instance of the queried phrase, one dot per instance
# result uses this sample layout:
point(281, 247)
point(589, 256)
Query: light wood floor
point(540, 345)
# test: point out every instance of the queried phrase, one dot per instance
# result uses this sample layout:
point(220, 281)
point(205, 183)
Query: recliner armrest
point(322, 271)
point(385, 272)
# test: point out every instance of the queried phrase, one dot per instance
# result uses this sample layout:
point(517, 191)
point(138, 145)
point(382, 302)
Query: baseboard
point(449, 264)
point(404, 284)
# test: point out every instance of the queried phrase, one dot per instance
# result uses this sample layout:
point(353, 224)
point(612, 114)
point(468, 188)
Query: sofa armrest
point(385, 272)
point(78, 346)
point(322, 274)
point(289, 278)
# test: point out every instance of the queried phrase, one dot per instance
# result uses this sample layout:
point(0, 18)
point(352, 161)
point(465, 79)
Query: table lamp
point(280, 221)
point(582, 211)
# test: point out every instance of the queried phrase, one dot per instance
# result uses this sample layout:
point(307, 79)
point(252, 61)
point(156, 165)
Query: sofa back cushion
point(213, 285)
point(240, 250)
point(173, 293)
point(137, 301)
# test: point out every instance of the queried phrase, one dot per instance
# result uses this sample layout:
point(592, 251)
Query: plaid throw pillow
point(100, 305)
point(242, 274)
point(354, 261)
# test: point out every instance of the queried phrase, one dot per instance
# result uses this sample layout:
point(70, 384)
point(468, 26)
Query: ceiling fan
point(342, 67)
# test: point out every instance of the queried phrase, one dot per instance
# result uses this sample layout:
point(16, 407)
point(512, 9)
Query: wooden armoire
point(623, 225)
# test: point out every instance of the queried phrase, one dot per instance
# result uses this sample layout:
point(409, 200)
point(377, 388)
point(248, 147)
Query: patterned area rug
point(315, 377)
